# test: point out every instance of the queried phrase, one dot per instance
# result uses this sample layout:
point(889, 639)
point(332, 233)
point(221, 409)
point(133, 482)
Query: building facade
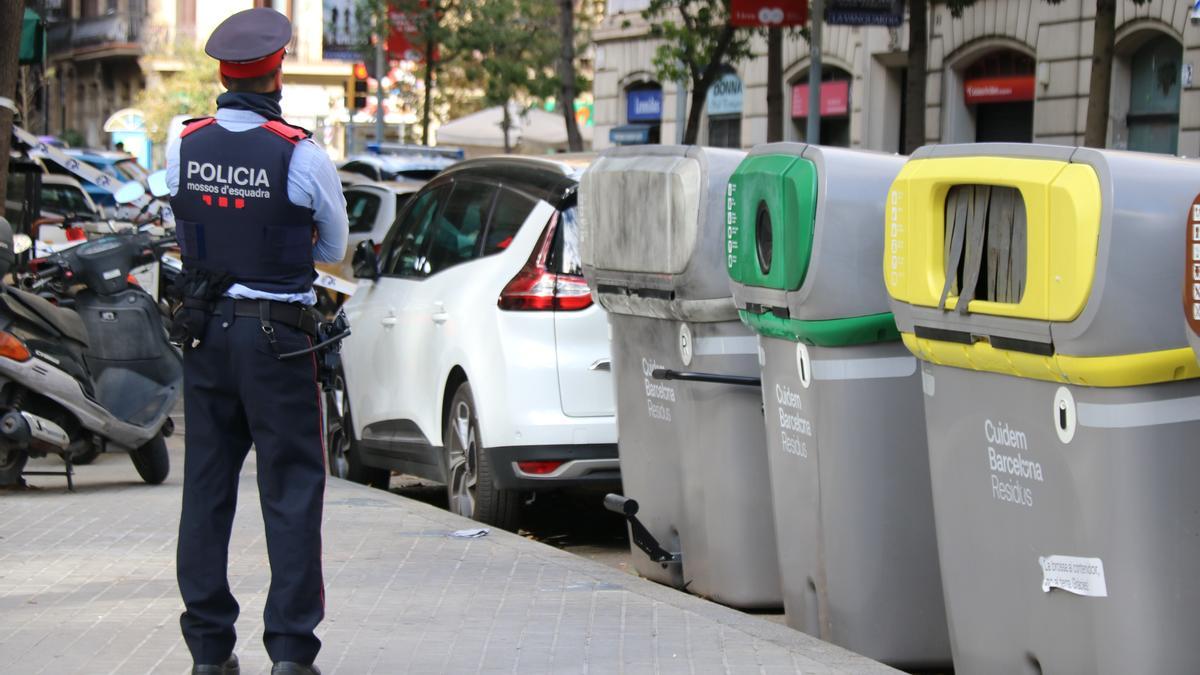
point(1006, 70)
point(102, 53)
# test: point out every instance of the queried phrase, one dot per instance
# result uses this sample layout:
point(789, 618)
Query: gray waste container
point(1039, 285)
point(693, 453)
point(848, 459)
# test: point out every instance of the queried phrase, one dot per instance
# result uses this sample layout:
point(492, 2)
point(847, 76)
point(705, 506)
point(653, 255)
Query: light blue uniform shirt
point(312, 183)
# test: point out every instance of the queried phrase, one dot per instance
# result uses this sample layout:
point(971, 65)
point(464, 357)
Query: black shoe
point(230, 667)
point(293, 668)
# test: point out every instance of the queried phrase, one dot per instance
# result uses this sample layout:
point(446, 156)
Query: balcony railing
point(119, 28)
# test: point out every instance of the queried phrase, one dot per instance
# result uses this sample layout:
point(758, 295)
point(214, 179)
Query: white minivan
point(478, 358)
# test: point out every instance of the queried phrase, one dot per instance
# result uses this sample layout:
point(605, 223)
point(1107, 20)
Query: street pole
point(812, 133)
point(379, 93)
point(681, 109)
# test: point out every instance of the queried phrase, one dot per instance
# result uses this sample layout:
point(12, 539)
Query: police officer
point(256, 204)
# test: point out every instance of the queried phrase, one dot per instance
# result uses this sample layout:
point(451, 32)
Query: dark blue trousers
point(236, 393)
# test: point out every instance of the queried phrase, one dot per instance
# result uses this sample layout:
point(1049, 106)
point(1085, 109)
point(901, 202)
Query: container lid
point(1043, 262)
point(653, 233)
point(804, 243)
point(772, 204)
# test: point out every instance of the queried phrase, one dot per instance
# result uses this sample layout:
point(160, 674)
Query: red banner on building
point(835, 99)
point(769, 12)
point(999, 89)
point(405, 40)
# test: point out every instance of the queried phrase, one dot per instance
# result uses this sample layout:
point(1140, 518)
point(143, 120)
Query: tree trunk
point(566, 73)
point(11, 12)
point(775, 84)
point(506, 126)
point(702, 80)
point(1099, 93)
point(429, 66)
point(918, 54)
point(691, 133)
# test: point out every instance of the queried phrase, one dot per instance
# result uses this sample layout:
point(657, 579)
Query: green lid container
point(804, 236)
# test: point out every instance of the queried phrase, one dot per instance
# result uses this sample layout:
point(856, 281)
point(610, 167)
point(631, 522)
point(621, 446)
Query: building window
point(725, 131)
point(724, 107)
point(643, 116)
point(1154, 96)
point(998, 90)
point(835, 107)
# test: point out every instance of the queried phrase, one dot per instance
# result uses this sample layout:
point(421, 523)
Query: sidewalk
point(87, 585)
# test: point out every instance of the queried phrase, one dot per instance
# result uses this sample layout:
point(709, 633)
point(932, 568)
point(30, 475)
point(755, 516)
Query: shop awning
point(835, 99)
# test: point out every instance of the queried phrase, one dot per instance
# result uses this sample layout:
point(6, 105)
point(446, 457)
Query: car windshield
point(64, 199)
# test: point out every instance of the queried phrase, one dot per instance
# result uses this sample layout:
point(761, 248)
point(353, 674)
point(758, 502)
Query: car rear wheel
point(469, 485)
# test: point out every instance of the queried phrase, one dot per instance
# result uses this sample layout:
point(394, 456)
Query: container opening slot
point(985, 245)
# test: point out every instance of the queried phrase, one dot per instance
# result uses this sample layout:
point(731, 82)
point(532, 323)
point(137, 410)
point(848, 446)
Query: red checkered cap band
point(253, 68)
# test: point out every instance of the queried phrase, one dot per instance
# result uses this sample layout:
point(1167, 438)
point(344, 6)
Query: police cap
point(250, 43)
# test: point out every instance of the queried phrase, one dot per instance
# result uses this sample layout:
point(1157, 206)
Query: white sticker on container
point(1081, 576)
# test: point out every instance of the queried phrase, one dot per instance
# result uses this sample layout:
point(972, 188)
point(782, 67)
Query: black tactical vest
point(232, 212)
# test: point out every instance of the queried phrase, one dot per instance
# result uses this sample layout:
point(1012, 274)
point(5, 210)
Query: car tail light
point(536, 288)
point(539, 468)
point(12, 348)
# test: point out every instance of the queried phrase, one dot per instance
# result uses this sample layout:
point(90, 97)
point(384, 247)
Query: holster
point(199, 289)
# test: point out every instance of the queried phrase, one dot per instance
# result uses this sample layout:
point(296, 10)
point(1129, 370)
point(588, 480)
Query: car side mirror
point(366, 262)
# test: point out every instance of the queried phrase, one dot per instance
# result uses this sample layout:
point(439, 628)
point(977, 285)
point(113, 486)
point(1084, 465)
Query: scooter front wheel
point(152, 461)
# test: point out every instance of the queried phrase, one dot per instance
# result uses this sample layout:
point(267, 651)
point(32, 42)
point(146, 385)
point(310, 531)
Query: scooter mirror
point(22, 243)
point(129, 192)
point(158, 183)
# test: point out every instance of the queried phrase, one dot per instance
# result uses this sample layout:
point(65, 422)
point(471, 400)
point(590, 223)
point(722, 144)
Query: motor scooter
point(101, 376)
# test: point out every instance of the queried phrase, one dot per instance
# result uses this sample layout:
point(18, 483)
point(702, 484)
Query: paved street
point(87, 585)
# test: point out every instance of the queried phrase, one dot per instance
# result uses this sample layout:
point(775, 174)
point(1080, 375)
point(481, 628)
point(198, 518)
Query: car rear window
point(512, 209)
point(565, 257)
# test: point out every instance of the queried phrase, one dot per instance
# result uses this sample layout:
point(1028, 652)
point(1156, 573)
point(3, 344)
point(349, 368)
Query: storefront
point(724, 107)
point(835, 109)
point(998, 90)
point(643, 116)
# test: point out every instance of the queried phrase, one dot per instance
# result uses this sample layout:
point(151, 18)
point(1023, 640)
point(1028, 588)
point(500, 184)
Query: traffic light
point(360, 87)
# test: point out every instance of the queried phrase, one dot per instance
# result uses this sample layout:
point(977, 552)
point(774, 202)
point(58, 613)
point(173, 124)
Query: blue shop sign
point(644, 105)
point(629, 134)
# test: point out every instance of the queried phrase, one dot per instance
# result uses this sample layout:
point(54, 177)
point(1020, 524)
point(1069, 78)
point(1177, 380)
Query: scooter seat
point(27, 304)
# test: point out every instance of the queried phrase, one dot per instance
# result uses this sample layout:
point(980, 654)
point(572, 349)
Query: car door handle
point(439, 313)
point(601, 364)
point(388, 321)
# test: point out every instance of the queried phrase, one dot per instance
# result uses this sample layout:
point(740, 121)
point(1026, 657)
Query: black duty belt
point(287, 314)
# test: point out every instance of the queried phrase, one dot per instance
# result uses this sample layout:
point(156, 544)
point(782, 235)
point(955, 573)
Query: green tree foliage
point(192, 91)
point(511, 48)
point(1104, 35)
point(698, 43)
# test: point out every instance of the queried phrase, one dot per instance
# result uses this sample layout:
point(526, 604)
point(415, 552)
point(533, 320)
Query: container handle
point(714, 378)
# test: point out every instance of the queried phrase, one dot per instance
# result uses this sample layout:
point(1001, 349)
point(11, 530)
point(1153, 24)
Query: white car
point(478, 358)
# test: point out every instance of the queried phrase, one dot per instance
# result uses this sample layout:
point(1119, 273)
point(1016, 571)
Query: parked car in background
point(422, 166)
point(60, 196)
point(372, 208)
point(478, 359)
point(121, 166)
